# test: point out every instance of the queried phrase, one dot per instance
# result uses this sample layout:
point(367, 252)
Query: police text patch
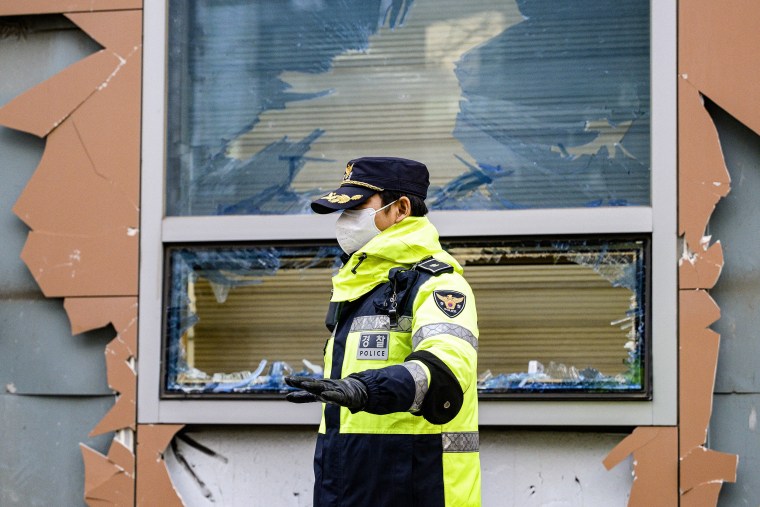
point(373, 346)
point(450, 302)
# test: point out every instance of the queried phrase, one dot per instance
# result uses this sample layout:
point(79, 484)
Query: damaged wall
point(52, 385)
point(82, 206)
point(733, 426)
point(717, 64)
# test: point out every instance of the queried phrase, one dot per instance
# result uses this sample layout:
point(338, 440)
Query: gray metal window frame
point(659, 220)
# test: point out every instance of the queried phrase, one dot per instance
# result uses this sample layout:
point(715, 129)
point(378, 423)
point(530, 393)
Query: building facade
point(158, 183)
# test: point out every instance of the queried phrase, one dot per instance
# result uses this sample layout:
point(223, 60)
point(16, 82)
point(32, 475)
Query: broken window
point(535, 120)
point(512, 105)
point(240, 318)
point(559, 317)
point(556, 317)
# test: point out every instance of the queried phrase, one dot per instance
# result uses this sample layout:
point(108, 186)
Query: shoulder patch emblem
point(450, 302)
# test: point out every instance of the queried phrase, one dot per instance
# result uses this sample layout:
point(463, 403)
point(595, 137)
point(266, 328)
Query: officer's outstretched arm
point(443, 363)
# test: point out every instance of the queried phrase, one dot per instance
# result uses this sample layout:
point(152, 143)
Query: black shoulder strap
point(433, 266)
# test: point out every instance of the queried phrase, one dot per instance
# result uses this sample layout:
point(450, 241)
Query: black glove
point(349, 392)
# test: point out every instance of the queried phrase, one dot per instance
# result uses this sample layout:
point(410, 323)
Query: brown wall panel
point(18, 7)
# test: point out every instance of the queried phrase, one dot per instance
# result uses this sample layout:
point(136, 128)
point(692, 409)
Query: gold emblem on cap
point(347, 175)
point(348, 181)
point(340, 198)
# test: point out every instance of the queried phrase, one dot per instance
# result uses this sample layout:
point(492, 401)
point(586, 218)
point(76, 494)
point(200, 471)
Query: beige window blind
point(562, 309)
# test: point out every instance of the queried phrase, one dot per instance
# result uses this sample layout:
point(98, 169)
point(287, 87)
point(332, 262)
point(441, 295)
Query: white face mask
point(355, 227)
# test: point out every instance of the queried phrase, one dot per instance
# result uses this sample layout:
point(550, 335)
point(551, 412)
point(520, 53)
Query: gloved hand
point(348, 392)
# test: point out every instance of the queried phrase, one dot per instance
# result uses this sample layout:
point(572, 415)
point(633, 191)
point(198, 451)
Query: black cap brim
point(345, 197)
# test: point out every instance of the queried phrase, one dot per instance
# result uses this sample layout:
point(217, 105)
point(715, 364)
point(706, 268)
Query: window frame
point(659, 220)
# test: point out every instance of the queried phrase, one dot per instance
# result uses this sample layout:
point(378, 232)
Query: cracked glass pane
point(240, 318)
point(511, 104)
point(559, 316)
point(556, 316)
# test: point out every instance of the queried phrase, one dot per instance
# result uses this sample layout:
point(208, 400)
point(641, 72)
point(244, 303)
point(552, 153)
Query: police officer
point(400, 420)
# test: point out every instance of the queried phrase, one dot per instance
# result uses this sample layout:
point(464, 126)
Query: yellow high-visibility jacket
point(403, 321)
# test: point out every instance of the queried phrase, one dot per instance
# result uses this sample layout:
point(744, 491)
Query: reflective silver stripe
point(380, 323)
point(461, 442)
point(371, 323)
point(420, 384)
point(444, 328)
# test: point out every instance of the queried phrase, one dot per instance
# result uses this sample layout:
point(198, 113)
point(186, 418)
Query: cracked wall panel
point(67, 194)
point(97, 468)
point(19, 7)
point(704, 466)
point(108, 125)
point(705, 495)
point(114, 146)
point(121, 415)
point(67, 265)
point(122, 379)
point(119, 31)
point(120, 455)
point(121, 376)
point(698, 312)
point(701, 270)
point(718, 54)
point(92, 313)
point(117, 491)
point(41, 109)
point(105, 481)
point(655, 465)
point(154, 485)
point(698, 360)
point(702, 175)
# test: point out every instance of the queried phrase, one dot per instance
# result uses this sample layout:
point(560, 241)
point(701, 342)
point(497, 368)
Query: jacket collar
point(401, 245)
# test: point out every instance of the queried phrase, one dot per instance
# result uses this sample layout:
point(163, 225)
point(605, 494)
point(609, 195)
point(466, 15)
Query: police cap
point(369, 175)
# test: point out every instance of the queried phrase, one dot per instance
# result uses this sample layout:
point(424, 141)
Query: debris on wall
point(701, 269)
point(19, 7)
point(82, 205)
point(655, 466)
point(154, 485)
point(717, 54)
point(86, 314)
point(702, 467)
point(109, 480)
point(698, 358)
point(702, 177)
point(75, 243)
point(716, 60)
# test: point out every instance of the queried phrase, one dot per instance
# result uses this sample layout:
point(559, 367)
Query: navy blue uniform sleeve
point(390, 389)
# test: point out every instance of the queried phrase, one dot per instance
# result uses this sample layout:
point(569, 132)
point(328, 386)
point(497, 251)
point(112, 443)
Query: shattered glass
point(556, 316)
point(560, 316)
point(238, 319)
point(511, 104)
